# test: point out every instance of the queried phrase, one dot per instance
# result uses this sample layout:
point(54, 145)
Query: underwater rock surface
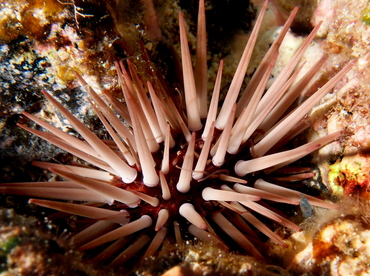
point(66, 38)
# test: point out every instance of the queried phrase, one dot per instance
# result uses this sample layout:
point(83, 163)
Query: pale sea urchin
point(175, 168)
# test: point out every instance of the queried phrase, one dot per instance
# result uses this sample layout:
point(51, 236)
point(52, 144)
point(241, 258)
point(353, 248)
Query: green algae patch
point(5, 247)
point(366, 15)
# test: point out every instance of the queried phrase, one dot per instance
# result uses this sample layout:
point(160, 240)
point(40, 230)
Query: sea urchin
point(171, 167)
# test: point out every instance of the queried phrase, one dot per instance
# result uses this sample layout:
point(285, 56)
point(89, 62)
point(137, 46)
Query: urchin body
point(185, 163)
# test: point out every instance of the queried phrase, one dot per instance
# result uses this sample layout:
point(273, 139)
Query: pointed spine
point(189, 82)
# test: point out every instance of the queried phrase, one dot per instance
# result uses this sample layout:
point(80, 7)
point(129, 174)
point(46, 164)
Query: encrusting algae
point(175, 166)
